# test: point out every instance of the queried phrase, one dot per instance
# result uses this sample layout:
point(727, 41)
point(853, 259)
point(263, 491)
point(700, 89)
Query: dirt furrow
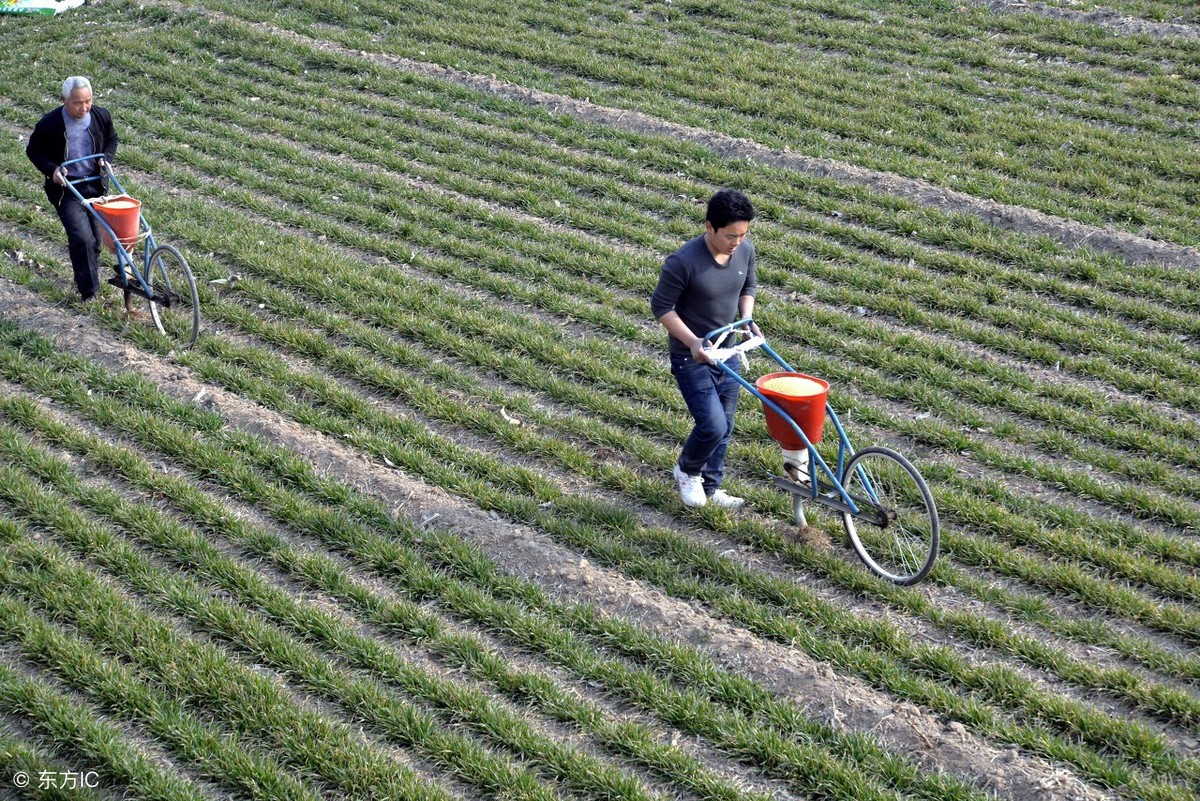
point(837, 700)
point(1130, 247)
point(1119, 24)
point(738, 774)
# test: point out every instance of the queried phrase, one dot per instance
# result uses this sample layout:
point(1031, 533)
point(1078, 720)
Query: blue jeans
point(711, 396)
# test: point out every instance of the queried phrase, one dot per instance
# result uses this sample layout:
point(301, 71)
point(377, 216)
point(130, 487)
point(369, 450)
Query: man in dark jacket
point(75, 129)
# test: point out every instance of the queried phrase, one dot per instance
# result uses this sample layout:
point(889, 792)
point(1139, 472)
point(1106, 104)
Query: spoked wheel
point(901, 543)
point(177, 314)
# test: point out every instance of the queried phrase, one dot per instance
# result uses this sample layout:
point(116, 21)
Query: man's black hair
point(728, 206)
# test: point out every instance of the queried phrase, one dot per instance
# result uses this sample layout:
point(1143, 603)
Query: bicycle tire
point(905, 546)
point(171, 279)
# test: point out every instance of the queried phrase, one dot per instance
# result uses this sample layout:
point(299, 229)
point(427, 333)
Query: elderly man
point(75, 129)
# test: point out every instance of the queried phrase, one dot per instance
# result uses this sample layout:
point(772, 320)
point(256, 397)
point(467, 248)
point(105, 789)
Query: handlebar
point(106, 171)
point(101, 156)
point(719, 335)
point(718, 354)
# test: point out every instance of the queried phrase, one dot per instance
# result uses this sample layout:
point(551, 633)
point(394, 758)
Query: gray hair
point(73, 83)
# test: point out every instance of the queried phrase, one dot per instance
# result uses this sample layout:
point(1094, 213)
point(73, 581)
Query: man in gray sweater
point(707, 283)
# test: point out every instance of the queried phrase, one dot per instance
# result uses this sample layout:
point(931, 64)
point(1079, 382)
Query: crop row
point(496, 474)
point(539, 345)
point(343, 127)
point(432, 125)
point(525, 172)
point(75, 731)
point(606, 378)
point(406, 618)
point(1150, 445)
point(397, 299)
point(486, 326)
point(1154, 447)
point(1012, 151)
point(1149, 10)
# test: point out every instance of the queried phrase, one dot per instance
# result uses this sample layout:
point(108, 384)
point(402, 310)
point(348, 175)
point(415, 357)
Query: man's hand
point(680, 331)
point(699, 354)
point(60, 176)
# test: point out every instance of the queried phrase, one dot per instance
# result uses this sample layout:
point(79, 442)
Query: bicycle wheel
point(902, 544)
point(177, 314)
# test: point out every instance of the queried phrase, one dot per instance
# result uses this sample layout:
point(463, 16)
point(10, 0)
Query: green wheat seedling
point(688, 103)
point(77, 730)
point(379, 344)
point(247, 48)
point(360, 40)
point(396, 564)
point(738, 609)
point(1112, 559)
point(942, 295)
point(20, 756)
point(1092, 597)
point(207, 749)
point(193, 551)
point(366, 698)
point(47, 579)
point(295, 133)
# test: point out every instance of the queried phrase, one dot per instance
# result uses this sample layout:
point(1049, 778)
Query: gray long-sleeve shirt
point(702, 292)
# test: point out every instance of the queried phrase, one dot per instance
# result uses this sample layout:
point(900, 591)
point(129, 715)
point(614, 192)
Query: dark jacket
point(47, 147)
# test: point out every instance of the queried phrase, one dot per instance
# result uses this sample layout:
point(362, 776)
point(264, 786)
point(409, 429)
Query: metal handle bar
point(717, 337)
point(107, 172)
point(719, 354)
point(125, 261)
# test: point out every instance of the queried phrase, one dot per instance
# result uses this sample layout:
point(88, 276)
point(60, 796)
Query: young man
point(75, 129)
point(707, 283)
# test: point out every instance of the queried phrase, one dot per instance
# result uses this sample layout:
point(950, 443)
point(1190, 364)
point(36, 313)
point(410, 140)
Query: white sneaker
point(724, 500)
point(691, 488)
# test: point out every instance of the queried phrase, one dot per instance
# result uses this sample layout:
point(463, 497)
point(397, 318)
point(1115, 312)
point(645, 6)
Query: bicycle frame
point(125, 263)
point(843, 503)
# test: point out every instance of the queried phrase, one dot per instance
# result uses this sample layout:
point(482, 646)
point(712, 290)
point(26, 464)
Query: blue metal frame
point(125, 262)
point(845, 450)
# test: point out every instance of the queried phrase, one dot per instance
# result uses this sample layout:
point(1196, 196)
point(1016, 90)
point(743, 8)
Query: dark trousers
point(83, 238)
point(711, 396)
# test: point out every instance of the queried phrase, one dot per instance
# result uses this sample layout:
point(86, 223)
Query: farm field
point(402, 524)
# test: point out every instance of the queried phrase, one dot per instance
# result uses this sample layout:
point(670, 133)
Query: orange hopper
point(802, 397)
point(121, 212)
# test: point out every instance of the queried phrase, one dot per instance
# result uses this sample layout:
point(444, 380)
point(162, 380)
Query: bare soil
point(1130, 247)
point(842, 702)
point(1119, 24)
